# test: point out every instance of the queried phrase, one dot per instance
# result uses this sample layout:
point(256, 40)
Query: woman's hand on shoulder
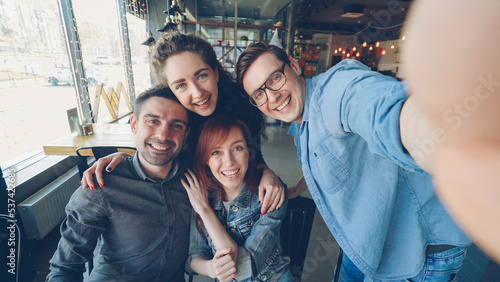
point(198, 195)
point(224, 267)
point(271, 191)
point(110, 162)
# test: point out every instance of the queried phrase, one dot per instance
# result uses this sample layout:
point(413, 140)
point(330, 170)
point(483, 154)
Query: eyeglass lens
point(274, 83)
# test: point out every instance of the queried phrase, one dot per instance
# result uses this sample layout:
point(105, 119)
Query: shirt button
point(263, 277)
point(235, 209)
point(233, 230)
point(315, 155)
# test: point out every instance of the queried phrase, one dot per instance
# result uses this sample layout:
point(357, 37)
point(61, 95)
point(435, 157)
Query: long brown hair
point(176, 42)
point(215, 132)
point(231, 99)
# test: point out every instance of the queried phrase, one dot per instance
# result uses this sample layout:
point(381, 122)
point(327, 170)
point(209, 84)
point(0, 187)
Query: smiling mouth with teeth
point(230, 173)
point(282, 106)
point(157, 147)
point(203, 102)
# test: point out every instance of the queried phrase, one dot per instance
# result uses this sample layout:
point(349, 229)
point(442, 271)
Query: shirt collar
point(145, 177)
point(307, 99)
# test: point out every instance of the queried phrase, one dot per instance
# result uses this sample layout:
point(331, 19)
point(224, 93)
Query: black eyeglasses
point(274, 82)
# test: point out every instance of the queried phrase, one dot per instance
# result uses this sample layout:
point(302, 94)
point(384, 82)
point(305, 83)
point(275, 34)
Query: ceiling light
point(353, 11)
point(169, 25)
point(150, 41)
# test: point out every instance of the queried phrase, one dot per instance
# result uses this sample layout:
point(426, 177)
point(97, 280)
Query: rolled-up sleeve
point(85, 221)
point(370, 106)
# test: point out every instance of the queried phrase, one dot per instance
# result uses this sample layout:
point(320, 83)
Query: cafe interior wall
point(392, 59)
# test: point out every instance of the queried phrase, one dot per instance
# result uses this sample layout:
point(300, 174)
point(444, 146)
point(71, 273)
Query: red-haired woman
point(230, 237)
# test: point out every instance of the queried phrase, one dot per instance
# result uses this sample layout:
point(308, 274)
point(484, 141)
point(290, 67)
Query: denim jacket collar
point(242, 201)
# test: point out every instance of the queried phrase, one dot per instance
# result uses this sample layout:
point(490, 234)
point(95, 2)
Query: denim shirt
point(257, 234)
point(379, 205)
point(144, 225)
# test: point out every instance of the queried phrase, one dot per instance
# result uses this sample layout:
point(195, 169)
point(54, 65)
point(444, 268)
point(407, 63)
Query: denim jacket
point(379, 205)
point(258, 234)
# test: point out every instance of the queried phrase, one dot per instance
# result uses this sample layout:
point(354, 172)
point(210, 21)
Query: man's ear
point(133, 123)
point(294, 65)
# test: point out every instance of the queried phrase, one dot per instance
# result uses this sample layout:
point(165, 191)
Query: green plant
point(244, 38)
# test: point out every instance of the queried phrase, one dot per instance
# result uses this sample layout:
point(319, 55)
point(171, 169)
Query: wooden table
point(104, 135)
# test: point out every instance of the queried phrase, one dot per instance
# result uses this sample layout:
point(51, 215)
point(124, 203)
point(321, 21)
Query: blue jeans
point(438, 267)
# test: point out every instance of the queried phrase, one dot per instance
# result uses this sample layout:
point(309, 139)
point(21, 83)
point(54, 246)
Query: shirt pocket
point(327, 170)
point(246, 223)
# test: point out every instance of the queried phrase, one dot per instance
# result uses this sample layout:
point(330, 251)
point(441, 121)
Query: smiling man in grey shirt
point(142, 212)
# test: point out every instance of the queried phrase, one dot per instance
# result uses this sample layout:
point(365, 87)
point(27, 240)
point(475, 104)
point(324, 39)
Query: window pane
point(140, 56)
point(101, 47)
point(32, 49)
point(36, 83)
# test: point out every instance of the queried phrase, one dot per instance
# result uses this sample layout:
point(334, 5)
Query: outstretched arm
point(459, 90)
point(418, 136)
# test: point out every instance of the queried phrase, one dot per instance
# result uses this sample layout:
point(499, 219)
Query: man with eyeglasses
point(356, 133)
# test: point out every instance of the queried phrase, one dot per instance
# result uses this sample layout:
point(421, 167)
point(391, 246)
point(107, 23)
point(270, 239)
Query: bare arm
point(297, 189)
point(460, 94)
point(418, 136)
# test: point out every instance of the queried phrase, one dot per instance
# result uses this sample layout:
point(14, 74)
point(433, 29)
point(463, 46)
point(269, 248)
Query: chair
point(98, 152)
point(295, 232)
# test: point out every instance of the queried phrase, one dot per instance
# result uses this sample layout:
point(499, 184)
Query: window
point(36, 83)
point(32, 110)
